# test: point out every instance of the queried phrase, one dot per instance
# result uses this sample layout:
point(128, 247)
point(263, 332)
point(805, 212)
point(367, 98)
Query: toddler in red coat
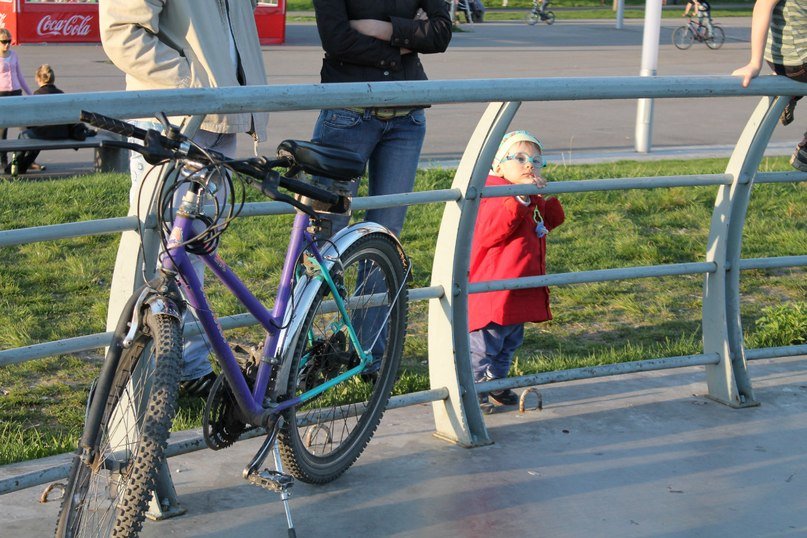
point(509, 242)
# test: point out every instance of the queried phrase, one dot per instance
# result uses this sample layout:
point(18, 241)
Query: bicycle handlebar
point(258, 168)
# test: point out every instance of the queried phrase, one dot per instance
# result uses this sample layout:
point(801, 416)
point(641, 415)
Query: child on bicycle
point(704, 11)
point(509, 242)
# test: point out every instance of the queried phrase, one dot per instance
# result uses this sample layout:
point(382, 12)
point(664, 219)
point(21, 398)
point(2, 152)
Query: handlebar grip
point(113, 125)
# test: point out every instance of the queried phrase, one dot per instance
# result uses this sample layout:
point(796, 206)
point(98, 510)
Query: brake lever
point(172, 132)
point(155, 152)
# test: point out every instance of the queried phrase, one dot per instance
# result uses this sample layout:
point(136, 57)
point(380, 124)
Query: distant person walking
point(12, 82)
point(779, 35)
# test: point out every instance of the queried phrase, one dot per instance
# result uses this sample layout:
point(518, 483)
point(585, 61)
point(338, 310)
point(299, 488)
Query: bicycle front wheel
point(550, 17)
point(716, 40)
point(683, 37)
point(109, 495)
point(324, 436)
point(531, 18)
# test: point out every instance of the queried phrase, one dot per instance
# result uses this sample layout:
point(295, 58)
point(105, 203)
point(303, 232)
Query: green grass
point(59, 289)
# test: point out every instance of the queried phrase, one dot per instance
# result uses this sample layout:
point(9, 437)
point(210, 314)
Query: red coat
point(505, 245)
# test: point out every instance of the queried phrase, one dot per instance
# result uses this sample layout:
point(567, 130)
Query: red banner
point(40, 22)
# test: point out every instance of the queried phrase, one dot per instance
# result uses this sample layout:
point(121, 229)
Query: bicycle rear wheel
point(683, 37)
point(531, 18)
point(716, 40)
point(324, 436)
point(109, 495)
point(550, 17)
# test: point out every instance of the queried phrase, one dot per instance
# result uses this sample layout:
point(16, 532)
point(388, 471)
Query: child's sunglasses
point(522, 158)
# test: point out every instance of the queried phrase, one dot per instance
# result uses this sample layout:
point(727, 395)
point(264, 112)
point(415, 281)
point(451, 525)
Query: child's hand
point(747, 72)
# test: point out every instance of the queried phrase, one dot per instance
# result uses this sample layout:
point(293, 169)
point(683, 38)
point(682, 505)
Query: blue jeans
point(392, 150)
point(492, 350)
point(196, 348)
point(390, 147)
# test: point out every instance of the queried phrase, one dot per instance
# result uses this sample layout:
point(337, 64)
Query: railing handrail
point(456, 413)
point(64, 108)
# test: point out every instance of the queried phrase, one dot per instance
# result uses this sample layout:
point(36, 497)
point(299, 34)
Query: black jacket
point(353, 57)
point(76, 131)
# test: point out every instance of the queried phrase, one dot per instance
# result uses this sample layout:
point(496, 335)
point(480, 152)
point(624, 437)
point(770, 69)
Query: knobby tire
point(110, 495)
point(323, 437)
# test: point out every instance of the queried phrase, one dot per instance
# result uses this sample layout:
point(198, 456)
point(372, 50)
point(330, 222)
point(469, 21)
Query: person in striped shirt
point(779, 35)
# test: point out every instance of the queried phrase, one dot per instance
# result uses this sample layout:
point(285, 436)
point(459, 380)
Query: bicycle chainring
point(222, 423)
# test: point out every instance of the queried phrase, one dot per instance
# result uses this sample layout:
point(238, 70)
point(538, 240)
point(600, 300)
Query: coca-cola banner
point(59, 26)
point(77, 22)
point(65, 26)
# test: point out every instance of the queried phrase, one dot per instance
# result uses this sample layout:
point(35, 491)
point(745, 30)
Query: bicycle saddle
point(321, 160)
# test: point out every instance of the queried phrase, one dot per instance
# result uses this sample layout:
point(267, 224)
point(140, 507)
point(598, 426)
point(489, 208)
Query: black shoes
point(787, 114)
point(199, 387)
point(799, 158)
point(504, 397)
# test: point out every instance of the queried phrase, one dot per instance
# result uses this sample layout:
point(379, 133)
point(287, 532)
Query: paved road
point(572, 131)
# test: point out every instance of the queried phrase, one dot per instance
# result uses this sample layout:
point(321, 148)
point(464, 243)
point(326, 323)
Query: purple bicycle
point(320, 381)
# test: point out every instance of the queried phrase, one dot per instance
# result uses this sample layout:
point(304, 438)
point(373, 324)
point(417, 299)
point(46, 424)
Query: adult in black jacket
point(77, 131)
point(374, 41)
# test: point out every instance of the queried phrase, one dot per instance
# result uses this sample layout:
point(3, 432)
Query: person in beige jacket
point(164, 44)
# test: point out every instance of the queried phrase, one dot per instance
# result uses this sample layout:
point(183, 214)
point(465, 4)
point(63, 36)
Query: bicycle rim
point(717, 38)
point(109, 496)
point(550, 17)
point(531, 18)
point(323, 437)
point(683, 38)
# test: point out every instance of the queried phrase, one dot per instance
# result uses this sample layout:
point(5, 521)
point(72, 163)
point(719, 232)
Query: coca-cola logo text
point(74, 25)
point(2, 20)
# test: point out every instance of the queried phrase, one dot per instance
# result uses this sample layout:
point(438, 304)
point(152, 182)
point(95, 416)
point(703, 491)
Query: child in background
point(509, 242)
point(11, 80)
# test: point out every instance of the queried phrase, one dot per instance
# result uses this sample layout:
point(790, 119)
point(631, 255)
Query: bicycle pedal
point(272, 480)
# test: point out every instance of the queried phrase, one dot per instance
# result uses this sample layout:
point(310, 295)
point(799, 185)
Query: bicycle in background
point(318, 383)
point(540, 13)
point(684, 36)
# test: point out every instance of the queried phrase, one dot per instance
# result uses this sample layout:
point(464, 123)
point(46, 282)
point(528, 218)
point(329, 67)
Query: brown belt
point(384, 113)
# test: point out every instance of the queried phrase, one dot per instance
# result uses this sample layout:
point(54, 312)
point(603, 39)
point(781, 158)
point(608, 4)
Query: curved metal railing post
point(458, 417)
point(728, 381)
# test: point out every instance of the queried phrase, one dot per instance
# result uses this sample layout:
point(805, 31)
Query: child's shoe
point(799, 158)
point(484, 404)
point(787, 114)
point(504, 397)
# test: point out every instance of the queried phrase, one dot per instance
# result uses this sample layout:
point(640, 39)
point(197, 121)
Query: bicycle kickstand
point(284, 493)
point(276, 480)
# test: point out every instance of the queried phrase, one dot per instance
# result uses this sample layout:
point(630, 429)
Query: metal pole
point(620, 14)
point(644, 112)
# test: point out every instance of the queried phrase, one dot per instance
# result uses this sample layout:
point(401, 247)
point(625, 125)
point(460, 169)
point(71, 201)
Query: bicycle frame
point(176, 260)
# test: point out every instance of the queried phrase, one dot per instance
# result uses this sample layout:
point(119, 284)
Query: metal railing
point(457, 414)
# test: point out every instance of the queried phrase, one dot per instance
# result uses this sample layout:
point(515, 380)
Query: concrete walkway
point(627, 456)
